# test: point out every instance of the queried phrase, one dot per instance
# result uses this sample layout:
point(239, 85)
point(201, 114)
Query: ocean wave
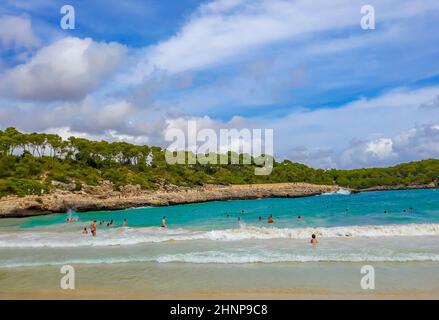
point(220, 257)
point(240, 258)
point(133, 236)
point(340, 191)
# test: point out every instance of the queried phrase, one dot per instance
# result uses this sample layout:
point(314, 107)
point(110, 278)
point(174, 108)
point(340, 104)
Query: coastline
point(104, 198)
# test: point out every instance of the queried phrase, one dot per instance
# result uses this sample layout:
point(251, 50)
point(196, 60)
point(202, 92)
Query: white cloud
point(381, 131)
point(16, 33)
point(224, 29)
point(65, 70)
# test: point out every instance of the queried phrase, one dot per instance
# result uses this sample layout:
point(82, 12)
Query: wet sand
point(262, 294)
point(249, 281)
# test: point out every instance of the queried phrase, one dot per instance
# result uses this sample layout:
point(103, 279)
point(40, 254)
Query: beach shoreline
point(144, 281)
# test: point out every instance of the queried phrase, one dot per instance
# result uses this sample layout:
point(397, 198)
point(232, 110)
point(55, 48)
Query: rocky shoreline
point(104, 198)
point(431, 185)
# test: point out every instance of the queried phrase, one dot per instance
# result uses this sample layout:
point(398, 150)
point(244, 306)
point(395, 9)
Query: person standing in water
point(93, 228)
point(270, 219)
point(124, 223)
point(164, 222)
point(299, 218)
point(85, 231)
point(313, 240)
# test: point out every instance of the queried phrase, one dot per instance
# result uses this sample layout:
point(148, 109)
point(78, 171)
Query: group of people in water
point(93, 226)
point(270, 220)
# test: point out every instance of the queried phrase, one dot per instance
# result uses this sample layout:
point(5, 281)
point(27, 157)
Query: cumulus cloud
point(16, 33)
point(65, 70)
point(372, 132)
point(224, 29)
point(418, 143)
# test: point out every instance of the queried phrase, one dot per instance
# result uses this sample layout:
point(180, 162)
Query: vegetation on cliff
point(30, 162)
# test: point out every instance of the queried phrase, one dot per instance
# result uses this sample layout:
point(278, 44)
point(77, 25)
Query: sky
point(335, 95)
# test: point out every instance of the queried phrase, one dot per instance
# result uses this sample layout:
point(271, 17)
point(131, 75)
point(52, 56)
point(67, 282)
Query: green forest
point(30, 162)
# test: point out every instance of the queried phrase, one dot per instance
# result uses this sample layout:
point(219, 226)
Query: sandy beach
point(293, 281)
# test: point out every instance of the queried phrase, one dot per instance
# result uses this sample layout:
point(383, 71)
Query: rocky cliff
point(105, 198)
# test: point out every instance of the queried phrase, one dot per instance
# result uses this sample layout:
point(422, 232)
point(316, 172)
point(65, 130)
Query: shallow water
point(352, 230)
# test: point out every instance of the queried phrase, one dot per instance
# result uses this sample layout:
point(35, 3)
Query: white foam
point(220, 257)
point(133, 236)
point(340, 191)
point(241, 258)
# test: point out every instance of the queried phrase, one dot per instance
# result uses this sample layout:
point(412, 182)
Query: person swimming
point(260, 218)
point(313, 240)
point(270, 219)
point(239, 218)
point(124, 224)
point(85, 231)
point(164, 222)
point(299, 218)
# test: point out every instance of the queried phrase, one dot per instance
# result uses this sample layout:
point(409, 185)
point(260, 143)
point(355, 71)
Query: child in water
point(313, 240)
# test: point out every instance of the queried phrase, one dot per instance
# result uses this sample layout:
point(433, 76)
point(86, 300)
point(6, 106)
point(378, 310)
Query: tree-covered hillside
point(30, 162)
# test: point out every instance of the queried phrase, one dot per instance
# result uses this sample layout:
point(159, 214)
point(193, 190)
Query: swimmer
point(385, 211)
point(85, 231)
point(313, 240)
point(124, 223)
point(164, 222)
point(239, 218)
point(270, 219)
point(260, 218)
point(299, 218)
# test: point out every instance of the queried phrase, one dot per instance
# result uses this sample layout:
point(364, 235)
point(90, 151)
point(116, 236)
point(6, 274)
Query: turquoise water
point(403, 207)
point(350, 228)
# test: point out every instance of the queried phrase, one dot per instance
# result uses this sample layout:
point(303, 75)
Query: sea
point(228, 246)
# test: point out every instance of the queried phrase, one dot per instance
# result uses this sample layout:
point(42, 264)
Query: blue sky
point(336, 95)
